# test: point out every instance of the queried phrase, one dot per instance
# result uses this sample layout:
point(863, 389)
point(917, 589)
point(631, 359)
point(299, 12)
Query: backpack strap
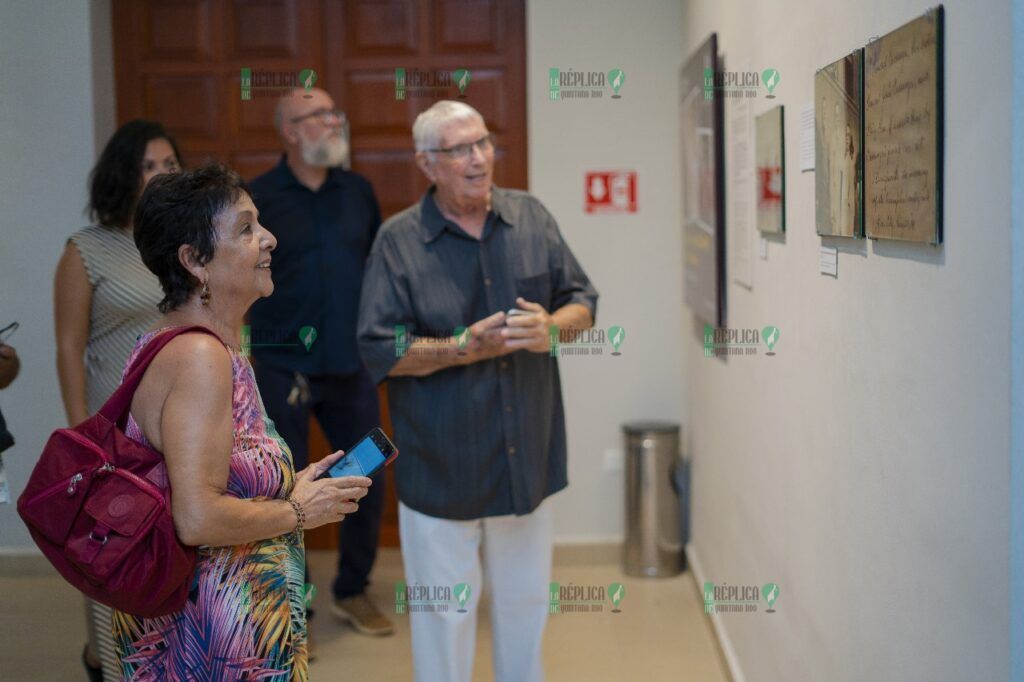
point(117, 406)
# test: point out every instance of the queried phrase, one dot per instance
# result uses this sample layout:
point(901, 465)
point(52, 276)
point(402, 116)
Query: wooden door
point(180, 62)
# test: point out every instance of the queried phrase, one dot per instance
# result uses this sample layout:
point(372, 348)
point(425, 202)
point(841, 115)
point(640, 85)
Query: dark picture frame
point(702, 147)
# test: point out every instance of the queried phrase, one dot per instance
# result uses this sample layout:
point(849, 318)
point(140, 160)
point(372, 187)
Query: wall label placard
point(828, 260)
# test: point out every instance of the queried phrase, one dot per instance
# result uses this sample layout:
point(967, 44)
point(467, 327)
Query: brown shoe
point(363, 615)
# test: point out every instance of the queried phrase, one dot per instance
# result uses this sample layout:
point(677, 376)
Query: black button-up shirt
point(323, 239)
point(485, 439)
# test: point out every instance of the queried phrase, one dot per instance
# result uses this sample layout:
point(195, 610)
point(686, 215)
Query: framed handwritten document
point(838, 147)
point(903, 116)
point(703, 159)
point(771, 172)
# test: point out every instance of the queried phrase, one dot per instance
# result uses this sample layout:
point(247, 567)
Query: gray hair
point(426, 131)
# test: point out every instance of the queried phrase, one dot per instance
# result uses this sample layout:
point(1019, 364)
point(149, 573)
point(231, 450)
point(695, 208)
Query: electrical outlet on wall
point(614, 460)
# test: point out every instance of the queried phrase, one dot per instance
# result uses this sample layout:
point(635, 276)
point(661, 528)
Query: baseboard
point(23, 562)
point(586, 553)
point(29, 561)
point(725, 647)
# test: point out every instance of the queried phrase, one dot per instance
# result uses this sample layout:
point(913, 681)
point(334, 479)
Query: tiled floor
point(660, 634)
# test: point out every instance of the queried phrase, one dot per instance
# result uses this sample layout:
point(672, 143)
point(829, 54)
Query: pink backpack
point(98, 507)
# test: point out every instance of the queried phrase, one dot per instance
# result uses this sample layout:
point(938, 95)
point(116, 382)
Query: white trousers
point(509, 557)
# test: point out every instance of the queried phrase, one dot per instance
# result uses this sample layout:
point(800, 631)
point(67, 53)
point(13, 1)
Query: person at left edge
point(303, 341)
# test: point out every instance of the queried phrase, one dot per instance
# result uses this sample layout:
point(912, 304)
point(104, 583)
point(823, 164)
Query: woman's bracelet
point(300, 514)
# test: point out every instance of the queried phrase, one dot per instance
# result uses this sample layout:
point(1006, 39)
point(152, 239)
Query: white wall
point(633, 260)
point(864, 468)
point(1016, 600)
point(62, 89)
point(48, 131)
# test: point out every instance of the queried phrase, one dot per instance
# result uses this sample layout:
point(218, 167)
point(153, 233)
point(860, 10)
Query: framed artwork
point(838, 147)
point(770, 159)
point(903, 129)
point(703, 161)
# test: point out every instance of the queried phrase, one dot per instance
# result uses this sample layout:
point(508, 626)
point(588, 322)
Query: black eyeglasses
point(6, 332)
point(462, 151)
point(325, 116)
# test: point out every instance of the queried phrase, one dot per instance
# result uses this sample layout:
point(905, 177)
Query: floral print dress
point(245, 617)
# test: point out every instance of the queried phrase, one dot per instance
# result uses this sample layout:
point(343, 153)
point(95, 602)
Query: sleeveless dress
point(125, 296)
point(245, 618)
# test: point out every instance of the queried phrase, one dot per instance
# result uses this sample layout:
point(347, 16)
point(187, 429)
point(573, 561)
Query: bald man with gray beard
point(325, 219)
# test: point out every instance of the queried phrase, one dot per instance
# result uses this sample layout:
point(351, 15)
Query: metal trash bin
point(654, 541)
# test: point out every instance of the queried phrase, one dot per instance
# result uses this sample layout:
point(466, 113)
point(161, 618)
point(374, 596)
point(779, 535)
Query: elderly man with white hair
point(460, 293)
point(325, 219)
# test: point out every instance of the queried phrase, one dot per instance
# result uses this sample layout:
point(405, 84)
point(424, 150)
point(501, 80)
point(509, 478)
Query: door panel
point(179, 62)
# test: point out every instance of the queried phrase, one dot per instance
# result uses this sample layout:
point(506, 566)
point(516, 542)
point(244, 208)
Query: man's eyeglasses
point(6, 332)
point(463, 151)
point(325, 116)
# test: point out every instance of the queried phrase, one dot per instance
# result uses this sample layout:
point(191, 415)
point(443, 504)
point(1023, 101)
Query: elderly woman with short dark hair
point(235, 493)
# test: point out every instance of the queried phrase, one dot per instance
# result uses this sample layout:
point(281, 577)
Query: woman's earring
point(204, 295)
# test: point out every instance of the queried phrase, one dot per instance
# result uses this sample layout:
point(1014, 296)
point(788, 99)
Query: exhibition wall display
point(878, 134)
point(903, 119)
point(771, 171)
point(703, 180)
point(838, 145)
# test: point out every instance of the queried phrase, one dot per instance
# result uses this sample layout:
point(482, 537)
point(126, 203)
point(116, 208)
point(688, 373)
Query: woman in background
point(104, 298)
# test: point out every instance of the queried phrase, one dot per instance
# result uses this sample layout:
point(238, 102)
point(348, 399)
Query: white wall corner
point(732, 660)
point(1016, 624)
